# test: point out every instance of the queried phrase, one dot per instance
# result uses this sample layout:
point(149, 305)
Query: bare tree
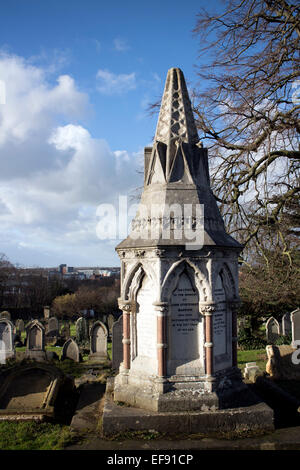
point(248, 115)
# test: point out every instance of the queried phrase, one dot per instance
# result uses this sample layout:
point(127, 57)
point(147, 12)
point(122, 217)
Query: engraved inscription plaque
point(146, 320)
point(219, 319)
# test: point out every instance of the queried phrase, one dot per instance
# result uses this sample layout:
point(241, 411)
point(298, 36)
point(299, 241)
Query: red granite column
point(234, 308)
point(125, 306)
point(161, 315)
point(207, 311)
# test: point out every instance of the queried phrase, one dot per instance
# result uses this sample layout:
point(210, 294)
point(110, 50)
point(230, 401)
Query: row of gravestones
point(290, 325)
point(35, 342)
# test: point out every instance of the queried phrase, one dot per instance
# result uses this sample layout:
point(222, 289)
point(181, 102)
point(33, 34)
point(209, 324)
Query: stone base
point(39, 356)
point(98, 358)
point(185, 394)
point(249, 415)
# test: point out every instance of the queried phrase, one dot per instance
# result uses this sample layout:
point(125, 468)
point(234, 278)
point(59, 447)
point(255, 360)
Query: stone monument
point(286, 324)
point(7, 350)
point(295, 320)
point(272, 330)
point(179, 288)
point(71, 351)
point(98, 341)
point(35, 341)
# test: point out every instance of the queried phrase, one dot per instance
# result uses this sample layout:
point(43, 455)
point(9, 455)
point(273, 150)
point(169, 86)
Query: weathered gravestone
point(65, 332)
point(295, 320)
point(283, 362)
point(98, 341)
point(47, 312)
point(117, 345)
point(71, 351)
point(82, 332)
point(6, 340)
point(35, 392)
point(20, 326)
point(110, 322)
point(272, 330)
point(5, 314)
point(52, 327)
point(286, 324)
point(35, 340)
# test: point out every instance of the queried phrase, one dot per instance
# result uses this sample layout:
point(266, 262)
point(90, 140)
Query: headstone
point(281, 364)
point(71, 351)
point(98, 341)
point(52, 327)
point(30, 391)
point(286, 324)
point(6, 340)
point(5, 314)
point(35, 340)
point(47, 312)
point(252, 371)
point(82, 333)
point(110, 322)
point(295, 320)
point(117, 345)
point(272, 330)
point(20, 326)
point(65, 331)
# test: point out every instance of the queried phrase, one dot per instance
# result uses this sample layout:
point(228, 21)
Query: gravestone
point(283, 362)
point(82, 332)
point(31, 391)
point(286, 324)
point(20, 326)
point(52, 327)
point(71, 351)
point(35, 340)
point(47, 312)
point(110, 322)
point(295, 321)
point(98, 341)
point(65, 332)
point(5, 314)
point(7, 350)
point(272, 330)
point(117, 345)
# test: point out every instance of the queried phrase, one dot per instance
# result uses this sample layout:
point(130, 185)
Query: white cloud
point(53, 172)
point(121, 45)
point(111, 83)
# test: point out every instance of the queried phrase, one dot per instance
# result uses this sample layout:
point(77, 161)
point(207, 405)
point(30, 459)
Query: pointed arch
point(194, 273)
point(134, 278)
point(228, 281)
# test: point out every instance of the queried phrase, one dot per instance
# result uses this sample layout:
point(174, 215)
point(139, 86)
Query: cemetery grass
point(254, 355)
point(30, 435)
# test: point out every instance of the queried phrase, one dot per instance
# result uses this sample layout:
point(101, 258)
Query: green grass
point(255, 355)
point(30, 435)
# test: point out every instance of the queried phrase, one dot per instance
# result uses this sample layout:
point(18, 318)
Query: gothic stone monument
point(179, 277)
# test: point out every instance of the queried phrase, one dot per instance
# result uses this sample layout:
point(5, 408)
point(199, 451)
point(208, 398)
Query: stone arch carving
point(229, 284)
point(133, 280)
point(194, 273)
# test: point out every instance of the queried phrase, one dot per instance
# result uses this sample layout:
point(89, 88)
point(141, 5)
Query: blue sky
point(78, 77)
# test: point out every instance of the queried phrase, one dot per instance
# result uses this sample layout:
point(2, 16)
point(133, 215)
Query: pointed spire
point(176, 120)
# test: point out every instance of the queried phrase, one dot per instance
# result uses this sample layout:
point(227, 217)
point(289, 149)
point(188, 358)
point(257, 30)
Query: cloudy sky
point(76, 78)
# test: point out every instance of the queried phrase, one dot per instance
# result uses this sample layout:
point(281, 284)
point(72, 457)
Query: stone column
point(125, 306)
point(234, 306)
point(161, 316)
point(207, 310)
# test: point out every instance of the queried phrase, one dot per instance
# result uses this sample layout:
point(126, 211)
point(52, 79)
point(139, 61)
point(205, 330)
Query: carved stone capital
point(207, 309)
point(124, 305)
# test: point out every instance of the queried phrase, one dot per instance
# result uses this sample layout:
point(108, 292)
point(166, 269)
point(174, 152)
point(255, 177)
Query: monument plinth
point(179, 278)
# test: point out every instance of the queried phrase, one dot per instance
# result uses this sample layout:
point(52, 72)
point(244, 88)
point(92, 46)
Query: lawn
point(29, 435)
point(255, 355)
